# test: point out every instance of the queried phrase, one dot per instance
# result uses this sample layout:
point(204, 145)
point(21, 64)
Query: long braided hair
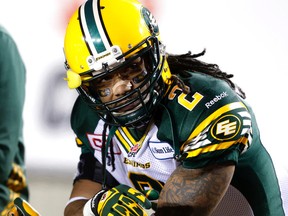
point(179, 63)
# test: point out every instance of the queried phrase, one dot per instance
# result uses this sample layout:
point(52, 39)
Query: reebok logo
point(216, 99)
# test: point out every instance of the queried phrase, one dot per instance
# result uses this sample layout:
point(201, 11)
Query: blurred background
point(246, 38)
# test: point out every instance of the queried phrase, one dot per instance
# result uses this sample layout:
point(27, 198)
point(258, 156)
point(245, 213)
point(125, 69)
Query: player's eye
point(104, 92)
point(135, 66)
point(140, 77)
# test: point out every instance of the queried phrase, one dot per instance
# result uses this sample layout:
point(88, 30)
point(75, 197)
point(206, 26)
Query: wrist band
point(87, 211)
point(75, 199)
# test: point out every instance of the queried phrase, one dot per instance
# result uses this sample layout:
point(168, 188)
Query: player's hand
point(22, 208)
point(118, 201)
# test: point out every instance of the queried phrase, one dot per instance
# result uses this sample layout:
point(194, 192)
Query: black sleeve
point(90, 168)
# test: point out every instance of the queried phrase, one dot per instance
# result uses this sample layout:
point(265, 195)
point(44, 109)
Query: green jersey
point(212, 124)
point(12, 91)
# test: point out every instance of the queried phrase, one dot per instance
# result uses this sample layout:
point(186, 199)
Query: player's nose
point(121, 87)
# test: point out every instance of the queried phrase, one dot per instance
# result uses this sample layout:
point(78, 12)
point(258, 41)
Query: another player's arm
point(194, 191)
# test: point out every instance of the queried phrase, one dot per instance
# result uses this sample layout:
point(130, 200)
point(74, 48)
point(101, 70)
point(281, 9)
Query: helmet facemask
point(141, 99)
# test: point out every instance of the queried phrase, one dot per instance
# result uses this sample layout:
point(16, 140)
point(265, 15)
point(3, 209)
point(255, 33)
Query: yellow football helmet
point(104, 36)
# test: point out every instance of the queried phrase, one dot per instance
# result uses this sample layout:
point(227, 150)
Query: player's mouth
point(131, 107)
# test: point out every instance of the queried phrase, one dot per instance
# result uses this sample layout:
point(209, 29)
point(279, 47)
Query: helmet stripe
point(101, 26)
point(91, 31)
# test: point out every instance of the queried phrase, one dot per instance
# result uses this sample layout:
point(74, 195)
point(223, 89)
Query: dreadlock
point(180, 63)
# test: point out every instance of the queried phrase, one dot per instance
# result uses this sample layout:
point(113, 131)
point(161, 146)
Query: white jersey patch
point(161, 150)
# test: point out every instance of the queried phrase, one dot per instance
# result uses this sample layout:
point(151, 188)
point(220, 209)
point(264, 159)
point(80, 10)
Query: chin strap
point(104, 151)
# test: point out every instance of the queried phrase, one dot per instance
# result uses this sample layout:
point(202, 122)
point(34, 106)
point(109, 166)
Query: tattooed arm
point(194, 191)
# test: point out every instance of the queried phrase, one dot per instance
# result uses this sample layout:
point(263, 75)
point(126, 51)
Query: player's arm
point(87, 183)
point(88, 197)
point(194, 191)
point(12, 93)
point(82, 191)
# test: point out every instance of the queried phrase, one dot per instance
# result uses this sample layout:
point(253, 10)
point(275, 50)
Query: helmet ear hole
point(73, 79)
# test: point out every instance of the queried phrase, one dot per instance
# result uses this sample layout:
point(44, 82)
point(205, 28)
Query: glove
point(22, 208)
point(118, 201)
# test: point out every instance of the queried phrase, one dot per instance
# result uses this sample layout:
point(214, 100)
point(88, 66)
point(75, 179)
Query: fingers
point(151, 194)
point(25, 207)
point(139, 197)
point(124, 200)
point(142, 197)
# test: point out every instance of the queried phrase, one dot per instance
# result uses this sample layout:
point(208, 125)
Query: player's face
point(122, 82)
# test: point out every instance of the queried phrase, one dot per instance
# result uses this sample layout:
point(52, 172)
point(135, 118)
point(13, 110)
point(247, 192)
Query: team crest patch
point(135, 148)
point(161, 150)
point(226, 127)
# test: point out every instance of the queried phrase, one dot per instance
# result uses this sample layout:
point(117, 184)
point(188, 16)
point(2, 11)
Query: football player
point(156, 130)
point(13, 181)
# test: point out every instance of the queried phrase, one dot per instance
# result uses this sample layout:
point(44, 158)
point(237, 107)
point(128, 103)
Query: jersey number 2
point(197, 97)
